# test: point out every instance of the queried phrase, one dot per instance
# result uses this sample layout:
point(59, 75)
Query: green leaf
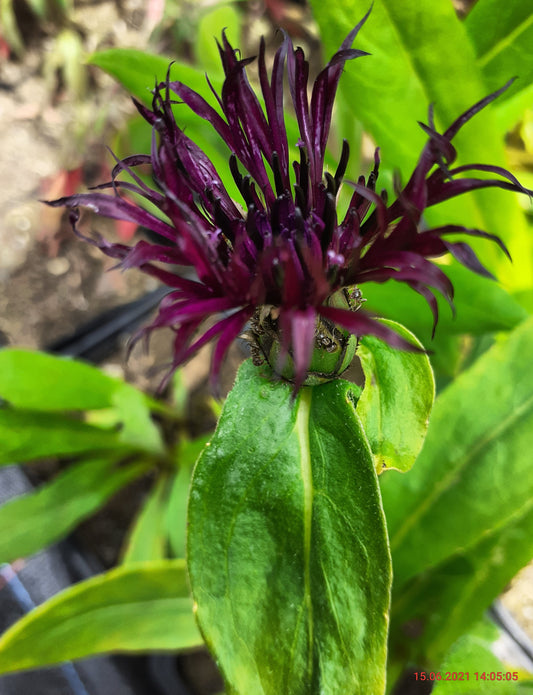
point(447, 600)
point(473, 474)
point(404, 46)
point(396, 402)
point(287, 548)
point(176, 515)
point(26, 435)
point(222, 17)
point(137, 427)
point(39, 7)
point(180, 394)
point(40, 382)
point(37, 519)
point(482, 306)
point(411, 66)
point(147, 539)
point(141, 607)
point(10, 30)
point(509, 112)
point(137, 71)
point(502, 36)
point(37, 381)
point(473, 653)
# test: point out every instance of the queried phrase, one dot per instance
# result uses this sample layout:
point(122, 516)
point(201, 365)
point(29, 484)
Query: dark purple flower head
point(284, 248)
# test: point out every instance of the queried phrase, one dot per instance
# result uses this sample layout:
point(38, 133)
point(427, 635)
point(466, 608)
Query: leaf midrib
point(302, 432)
point(505, 42)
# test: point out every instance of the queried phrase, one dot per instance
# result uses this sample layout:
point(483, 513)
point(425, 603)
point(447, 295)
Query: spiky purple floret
point(288, 248)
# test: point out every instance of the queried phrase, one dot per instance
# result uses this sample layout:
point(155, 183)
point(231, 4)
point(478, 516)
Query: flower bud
point(334, 347)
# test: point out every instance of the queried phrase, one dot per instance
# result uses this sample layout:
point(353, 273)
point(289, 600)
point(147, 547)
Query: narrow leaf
point(141, 607)
point(147, 539)
point(448, 600)
point(502, 36)
point(287, 547)
point(137, 426)
point(473, 653)
point(176, 513)
point(37, 519)
point(396, 402)
point(473, 474)
point(26, 435)
point(137, 71)
point(37, 381)
point(212, 24)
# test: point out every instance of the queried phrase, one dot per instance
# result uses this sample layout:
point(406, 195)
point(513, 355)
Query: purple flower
point(285, 249)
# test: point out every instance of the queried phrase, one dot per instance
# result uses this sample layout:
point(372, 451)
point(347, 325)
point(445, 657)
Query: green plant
point(292, 536)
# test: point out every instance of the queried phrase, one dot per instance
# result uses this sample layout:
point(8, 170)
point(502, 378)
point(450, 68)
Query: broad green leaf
point(147, 539)
point(471, 654)
point(26, 435)
point(448, 353)
point(396, 402)
point(502, 36)
point(447, 600)
point(412, 65)
point(481, 305)
point(473, 474)
point(37, 381)
point(287, 548)
point(137, 427)
point(138, 71)
point(176, 514)
point(37, 519)
point(142, 607)
point(221, 17)
point(419, 64)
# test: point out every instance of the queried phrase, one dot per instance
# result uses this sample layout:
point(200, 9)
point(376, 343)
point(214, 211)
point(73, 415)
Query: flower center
point(334, 347)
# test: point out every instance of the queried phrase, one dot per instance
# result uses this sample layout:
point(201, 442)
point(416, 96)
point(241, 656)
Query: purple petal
point(273, 96)
point(440, 143)
point(201, 108)
point(494, 170)
point(406, 266)
point(455, 228)
point(229, 330)
point(431, 300)
point(465, 255)
point(298, 72)
point(303, 341)
point(440, 191)
point(360, 323)
point(116, 208)
point(467, 115)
